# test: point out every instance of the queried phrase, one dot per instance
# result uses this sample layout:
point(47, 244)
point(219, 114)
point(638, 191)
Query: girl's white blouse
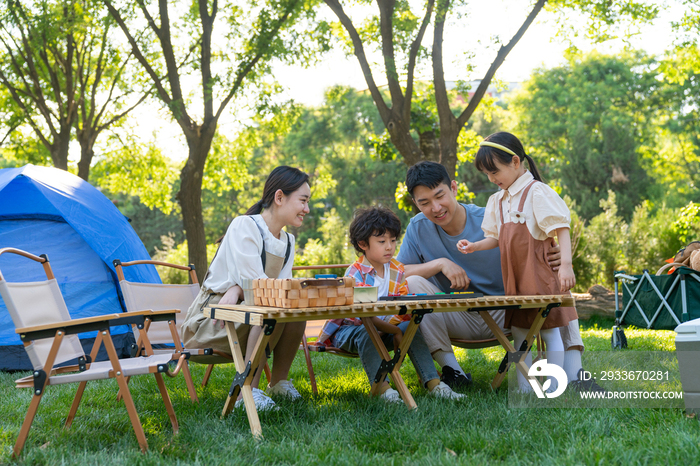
point(239, 254)
point(544, 211)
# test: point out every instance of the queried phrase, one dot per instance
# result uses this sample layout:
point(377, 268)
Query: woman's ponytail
point(255, 208)
point(533, 168)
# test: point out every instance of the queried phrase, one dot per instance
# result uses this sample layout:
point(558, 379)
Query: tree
point(589, 123)
point(400, 34)
point(61, 72)
point(254, 34)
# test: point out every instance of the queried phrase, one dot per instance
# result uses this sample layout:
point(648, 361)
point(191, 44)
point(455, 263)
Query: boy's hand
point(567, 279)
point(465, 247)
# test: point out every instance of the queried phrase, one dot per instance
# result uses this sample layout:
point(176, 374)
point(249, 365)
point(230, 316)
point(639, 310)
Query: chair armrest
point(69, 323)
point(89, 324)
point(166, 311)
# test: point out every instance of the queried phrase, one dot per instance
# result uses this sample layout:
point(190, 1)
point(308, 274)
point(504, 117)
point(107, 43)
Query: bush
point(609, 244)
point(177, 255)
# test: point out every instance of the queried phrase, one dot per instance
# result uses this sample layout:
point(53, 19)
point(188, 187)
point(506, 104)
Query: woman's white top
point(239, 253)
point(543, 212)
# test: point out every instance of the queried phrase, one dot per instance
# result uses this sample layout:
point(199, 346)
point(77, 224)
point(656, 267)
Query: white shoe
point(391, 396)
point(284, 388)
point(262, 401)
point(442, 390)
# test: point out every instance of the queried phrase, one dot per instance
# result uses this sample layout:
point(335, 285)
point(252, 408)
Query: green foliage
point(176, 255)
point(331, 143)
point(332, 247)
point(138, 169)
point(226, 167)
point(608, 243)
point(589, 123)
point(151, 224)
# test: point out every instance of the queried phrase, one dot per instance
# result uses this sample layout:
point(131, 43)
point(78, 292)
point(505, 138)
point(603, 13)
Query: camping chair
point(157, 296)
point(50, 338)
point(659, 302)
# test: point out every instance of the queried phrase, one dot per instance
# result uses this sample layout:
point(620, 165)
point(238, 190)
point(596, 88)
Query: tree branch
point(248, 66)
point(386, 30)
point(359, 50)
point(205, 58)
point(445, 115)
point(500, 57)
point(162, 92)
point(413, 54)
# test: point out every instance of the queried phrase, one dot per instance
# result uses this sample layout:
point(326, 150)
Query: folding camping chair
point(659, 302)
point(157, 296)
point(50, 338)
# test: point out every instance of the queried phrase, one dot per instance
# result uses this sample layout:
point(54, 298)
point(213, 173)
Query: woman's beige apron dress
point(198, 331)
point(527, 272)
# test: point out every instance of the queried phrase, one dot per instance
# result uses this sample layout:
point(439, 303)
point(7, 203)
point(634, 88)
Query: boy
point(373, 233)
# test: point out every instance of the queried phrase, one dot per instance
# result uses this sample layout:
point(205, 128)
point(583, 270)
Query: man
point(433, 264)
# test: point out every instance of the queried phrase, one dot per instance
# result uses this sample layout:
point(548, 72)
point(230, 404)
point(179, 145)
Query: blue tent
point(50, 211)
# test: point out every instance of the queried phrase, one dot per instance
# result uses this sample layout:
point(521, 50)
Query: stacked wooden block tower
point(292, 293)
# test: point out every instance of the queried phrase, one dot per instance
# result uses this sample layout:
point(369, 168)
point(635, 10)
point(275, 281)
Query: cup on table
point(248, 296)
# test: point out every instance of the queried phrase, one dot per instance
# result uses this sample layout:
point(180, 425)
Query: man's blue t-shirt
point(425, 241)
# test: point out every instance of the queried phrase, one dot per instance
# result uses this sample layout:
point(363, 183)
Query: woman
point(255, 246)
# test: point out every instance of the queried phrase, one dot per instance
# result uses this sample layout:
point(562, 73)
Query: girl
point(255, 246)
point(519, 219)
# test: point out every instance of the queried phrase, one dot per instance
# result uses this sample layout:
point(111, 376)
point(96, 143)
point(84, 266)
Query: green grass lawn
point(343, 426)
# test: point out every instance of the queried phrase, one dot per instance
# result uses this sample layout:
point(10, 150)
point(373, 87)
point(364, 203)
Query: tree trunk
point(430, 146)
point(400, 133)
point(448, 148)
point(190, 198)
point(59, 148)
point(87, 144)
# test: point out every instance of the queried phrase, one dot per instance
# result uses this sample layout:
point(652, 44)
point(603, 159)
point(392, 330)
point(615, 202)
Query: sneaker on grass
point(262, 401)
point(442, 390)
point(589, 385)
point(284, 388)
point(455, 380)
point(391, 396)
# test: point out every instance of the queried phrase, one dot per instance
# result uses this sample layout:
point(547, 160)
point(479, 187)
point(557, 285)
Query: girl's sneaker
point(262, 401)
point(442, 390)
point(284, 388)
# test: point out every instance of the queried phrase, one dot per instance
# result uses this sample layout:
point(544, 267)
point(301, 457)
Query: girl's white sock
point(572, 364)
point(555, 352)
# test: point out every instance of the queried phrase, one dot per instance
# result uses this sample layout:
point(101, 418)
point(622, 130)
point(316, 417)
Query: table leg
point(503, 340)
point(394, 374)
point(245, 369)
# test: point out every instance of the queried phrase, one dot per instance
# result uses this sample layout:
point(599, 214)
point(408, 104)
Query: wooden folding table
point(268, 317)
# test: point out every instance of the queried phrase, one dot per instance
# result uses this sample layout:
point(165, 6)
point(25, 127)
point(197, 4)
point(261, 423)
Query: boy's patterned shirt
point(364, 274)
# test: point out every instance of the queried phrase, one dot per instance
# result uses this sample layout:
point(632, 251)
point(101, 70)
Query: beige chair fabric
point(158, 297)
point(40, 303)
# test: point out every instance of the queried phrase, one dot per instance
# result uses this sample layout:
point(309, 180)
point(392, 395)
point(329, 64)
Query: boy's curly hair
point(374, 221)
